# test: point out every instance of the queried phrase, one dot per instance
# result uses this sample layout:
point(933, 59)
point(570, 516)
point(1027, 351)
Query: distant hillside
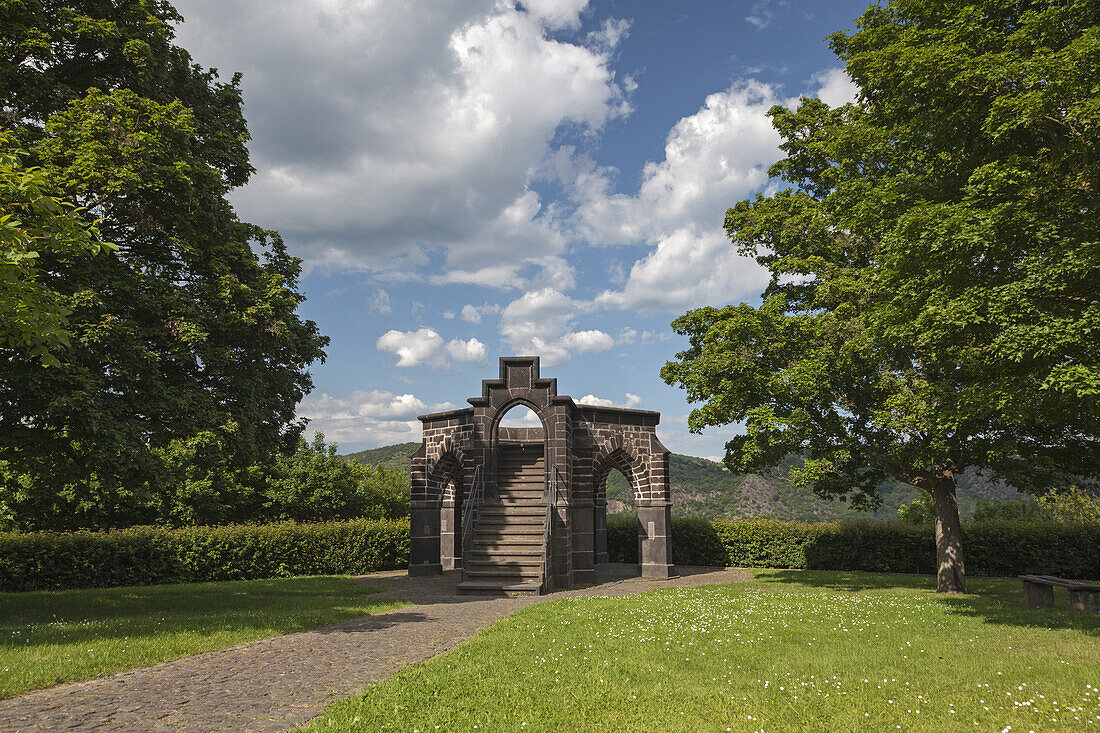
point(391, 456)
point(703, 488)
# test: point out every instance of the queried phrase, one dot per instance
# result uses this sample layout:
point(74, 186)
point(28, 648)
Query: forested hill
point(390, 456)
point(703, 488)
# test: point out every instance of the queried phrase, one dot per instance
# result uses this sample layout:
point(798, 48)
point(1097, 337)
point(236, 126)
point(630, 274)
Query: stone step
point(516, 532)
point(496, 569)
point(499, 588)
point(498, 531)
point(513, 510)
point(506, 544)
point(480, 552)
point(496, 572)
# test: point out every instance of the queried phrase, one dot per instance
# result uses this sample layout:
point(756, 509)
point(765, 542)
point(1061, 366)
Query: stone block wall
point(582, 443)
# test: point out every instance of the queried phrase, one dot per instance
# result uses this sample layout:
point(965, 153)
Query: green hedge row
point(1001, 548)
point(151, 555)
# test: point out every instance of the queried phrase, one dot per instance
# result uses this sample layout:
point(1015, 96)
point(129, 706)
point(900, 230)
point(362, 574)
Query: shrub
point(198, 482)
point(1072, 504)
point(695, 541)
point(1010, 510)
point(992, 548)
point(151, 555)
point(622, 537)
point(918, 511)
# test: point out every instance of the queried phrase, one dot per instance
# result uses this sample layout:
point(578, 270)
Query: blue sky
point(469, 179)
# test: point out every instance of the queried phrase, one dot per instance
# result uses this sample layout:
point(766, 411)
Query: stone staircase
point(507, 552)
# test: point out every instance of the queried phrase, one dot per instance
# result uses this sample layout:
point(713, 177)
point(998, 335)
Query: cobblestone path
point(278, 683)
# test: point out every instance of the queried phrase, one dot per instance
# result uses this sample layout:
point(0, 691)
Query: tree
point(934, 301)
point(186, 331)
point(33, 222)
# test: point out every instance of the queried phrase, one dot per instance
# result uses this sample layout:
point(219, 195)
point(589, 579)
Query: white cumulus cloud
point(471, 350)
point(632, 400)
point(713, 158)
point(541, 323)
point(383, 128)
point(474, 313)
point(426, 347)
point(367, 418)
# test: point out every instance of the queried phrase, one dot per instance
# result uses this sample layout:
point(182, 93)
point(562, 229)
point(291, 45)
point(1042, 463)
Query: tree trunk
point(950, 575)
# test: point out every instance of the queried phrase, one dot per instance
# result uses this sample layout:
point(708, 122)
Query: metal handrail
point(471, 509)
point(548, 535)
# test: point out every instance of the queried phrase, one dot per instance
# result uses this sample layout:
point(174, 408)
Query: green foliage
point(198, 483)
point(695, 541)
point(33, 223)
point(315, 484)
point(996, 548)
point(397, 456)
point(919, 511)
point(934, 266)
point(933, 294)
point(188, 338)
point(151, 555)
point(1072, 504)
point(1016, 510)
point(622, 537)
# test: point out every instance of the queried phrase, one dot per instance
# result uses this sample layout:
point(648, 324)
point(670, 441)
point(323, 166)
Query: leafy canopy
point(191, 329)
point(33, 222)
point(934, 301)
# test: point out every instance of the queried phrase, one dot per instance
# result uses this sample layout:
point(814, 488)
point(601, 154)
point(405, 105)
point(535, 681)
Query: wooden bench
point(1040, 592)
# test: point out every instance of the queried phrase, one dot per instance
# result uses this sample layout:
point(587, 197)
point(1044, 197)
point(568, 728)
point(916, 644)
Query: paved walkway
point(278, 683)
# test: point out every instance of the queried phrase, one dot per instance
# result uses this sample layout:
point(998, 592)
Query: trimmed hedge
point(1003, 548)
point(152, 555)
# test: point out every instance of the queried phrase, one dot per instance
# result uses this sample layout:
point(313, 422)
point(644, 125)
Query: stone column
point(600, 531)
point(450, 535)
point(654, 540)
point(424, 546)
point(581, 516)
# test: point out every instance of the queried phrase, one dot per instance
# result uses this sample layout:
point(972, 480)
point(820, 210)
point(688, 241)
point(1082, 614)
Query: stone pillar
point(424, 558)
point(450, 535)
point(581, 516)
point(599, 525)
point(654, 540)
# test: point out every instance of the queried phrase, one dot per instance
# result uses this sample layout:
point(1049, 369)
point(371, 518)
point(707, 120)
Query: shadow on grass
point(852, 582)
point(102, 614)
point(998, 601)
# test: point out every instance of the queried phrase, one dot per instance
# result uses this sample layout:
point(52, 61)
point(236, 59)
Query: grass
point(790, 651)
point(50, 637)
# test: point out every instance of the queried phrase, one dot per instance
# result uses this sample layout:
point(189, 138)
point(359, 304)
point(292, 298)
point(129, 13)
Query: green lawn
point(50, 637)
point(802, 651)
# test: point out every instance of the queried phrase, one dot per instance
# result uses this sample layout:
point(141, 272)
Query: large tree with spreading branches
point(934, 302)
point(190, 328)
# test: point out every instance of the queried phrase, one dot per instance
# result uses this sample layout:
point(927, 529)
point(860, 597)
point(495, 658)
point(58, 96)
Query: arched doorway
point(509, 542)
point(452, 492)
point(614, 495)
point(500, 454)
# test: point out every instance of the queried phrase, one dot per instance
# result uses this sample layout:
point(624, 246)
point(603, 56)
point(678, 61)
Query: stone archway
point(524, 545)
point(447, 478)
